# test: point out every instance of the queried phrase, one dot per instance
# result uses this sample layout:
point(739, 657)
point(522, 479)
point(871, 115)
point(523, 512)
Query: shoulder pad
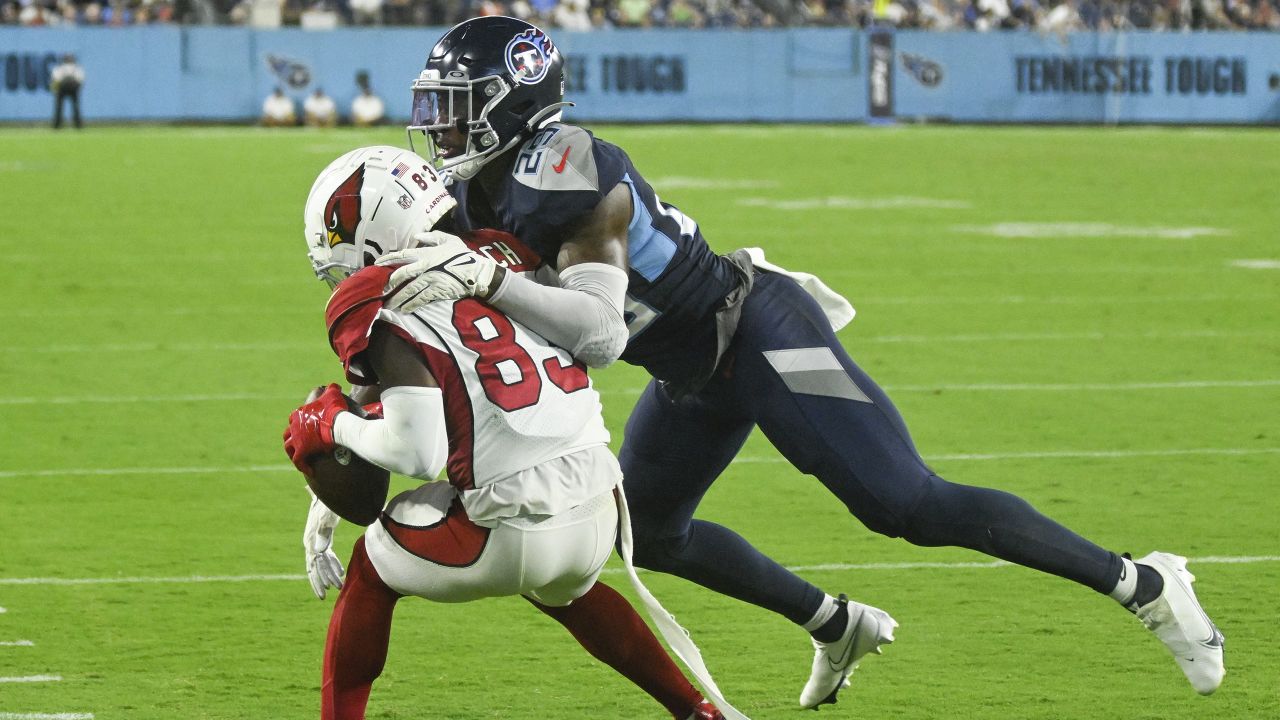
point(504, 248)
point(558, 157)
point(350, 315)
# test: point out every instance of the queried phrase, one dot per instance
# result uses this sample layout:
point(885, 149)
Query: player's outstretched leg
point(672, 452)
point(832, 421)
point(609, 628)
point(359, 632)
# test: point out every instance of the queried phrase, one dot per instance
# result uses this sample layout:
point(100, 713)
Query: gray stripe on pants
point(815, 371)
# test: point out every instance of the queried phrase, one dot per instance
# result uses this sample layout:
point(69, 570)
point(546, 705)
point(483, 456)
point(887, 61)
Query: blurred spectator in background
point(366, 12)
point(320, 110)
point(277, 110)
point(66, 81)
point(572, 15)
point(367, 109)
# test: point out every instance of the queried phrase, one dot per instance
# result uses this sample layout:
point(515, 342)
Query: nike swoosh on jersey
point(564, 160)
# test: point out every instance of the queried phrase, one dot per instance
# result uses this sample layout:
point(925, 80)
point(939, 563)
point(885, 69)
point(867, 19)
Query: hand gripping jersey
point(677, 283)
point(513, 402)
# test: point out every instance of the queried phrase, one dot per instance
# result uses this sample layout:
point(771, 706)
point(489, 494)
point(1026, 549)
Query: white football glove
point(324, 570)
point(443, 268)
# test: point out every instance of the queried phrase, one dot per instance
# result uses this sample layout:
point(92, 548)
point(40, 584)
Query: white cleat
point(868, 629)
point(1182, 625)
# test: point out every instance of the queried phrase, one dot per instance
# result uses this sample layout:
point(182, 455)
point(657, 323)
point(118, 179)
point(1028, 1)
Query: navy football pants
point(786, 372)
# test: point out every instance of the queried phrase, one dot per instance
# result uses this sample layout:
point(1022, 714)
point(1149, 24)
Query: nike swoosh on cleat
point(853, 641)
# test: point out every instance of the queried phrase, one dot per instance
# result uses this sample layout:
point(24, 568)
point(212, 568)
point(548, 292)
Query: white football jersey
point(526, 435)
point(512, 400)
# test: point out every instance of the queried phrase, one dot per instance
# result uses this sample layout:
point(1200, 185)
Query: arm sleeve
point(409, 440)
point(583, 315)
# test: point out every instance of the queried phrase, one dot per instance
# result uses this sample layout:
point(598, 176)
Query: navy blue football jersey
point(677, 283)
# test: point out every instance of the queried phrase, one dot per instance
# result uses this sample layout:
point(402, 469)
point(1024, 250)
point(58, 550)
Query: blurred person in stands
point(367, 109)
point(66, 81)
point(36, 13)
point(278, 110)
point(572, 15)
point(1062, 17)
point(366, 12)
point(320, 110)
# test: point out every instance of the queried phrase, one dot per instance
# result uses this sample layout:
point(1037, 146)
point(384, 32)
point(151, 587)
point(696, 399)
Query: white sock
point(1128, 585)
point(820, 618)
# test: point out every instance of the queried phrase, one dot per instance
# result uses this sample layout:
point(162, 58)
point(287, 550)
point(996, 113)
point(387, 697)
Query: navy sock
point(832, 629)
point(1150, 585)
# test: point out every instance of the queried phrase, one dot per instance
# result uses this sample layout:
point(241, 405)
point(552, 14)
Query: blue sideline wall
point(166, 73)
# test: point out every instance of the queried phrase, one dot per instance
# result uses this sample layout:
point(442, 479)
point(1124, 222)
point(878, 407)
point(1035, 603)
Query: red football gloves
point(310, 430)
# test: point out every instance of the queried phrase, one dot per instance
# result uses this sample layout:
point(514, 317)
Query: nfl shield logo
point(529, 56)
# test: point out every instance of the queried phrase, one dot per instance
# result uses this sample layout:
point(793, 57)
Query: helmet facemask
point(488, 84)
point(457, 102)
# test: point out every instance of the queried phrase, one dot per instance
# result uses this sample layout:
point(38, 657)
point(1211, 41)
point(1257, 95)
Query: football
point(346, 483)
point(349, 485)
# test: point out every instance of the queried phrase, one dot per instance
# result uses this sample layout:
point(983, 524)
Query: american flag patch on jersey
point(400, 170)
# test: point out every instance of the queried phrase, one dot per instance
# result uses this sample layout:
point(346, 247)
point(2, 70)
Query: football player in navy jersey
point(732, 343)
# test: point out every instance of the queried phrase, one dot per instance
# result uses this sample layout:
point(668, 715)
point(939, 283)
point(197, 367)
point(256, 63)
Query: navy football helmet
point(493, 79)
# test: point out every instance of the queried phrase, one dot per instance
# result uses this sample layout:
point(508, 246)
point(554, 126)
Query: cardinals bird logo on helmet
point(342, 212)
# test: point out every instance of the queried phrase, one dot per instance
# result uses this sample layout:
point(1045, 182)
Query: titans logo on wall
point(342, 212)
point(529, 56)
point(927, 72)
point(293, 73)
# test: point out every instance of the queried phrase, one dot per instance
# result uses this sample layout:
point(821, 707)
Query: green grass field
point(1061, 313)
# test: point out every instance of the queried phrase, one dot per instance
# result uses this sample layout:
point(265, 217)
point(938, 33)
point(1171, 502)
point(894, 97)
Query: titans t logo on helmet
point(529, 56)
point(342, 212)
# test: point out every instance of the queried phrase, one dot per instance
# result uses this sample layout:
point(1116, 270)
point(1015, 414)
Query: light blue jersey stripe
point(649, 251)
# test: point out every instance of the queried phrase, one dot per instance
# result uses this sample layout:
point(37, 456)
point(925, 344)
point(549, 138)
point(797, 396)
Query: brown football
point(346, 483)
point(349, 485)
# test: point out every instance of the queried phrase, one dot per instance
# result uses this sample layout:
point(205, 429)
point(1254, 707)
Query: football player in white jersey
point(529, 507)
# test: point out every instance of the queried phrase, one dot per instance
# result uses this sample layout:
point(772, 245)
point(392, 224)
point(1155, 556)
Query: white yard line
point(142, 310)
point(80, 472)
point(145, 347)
point(31, 679)
point(844, 202)
point(16, 643)
point(1167, 452)
point(1100, 301)
point(986, 565)
point(191, 579)
point(1037, 336)
point(854, 340)
point(975, 387)
point(1059, 454)
point(1056, 230)
point(45, 716)
point(117, 399)
point(1073, 387)
point(1256, 264)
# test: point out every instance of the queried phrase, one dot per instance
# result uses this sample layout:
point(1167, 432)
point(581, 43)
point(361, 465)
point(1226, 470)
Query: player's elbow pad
point(583, 315)
point(410, 438)
point(607, 284)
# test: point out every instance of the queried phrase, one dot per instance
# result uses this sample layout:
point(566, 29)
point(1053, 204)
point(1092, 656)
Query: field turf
point(1062, 313)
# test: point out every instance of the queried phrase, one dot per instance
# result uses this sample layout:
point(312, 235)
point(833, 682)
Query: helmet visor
point(441, 108)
